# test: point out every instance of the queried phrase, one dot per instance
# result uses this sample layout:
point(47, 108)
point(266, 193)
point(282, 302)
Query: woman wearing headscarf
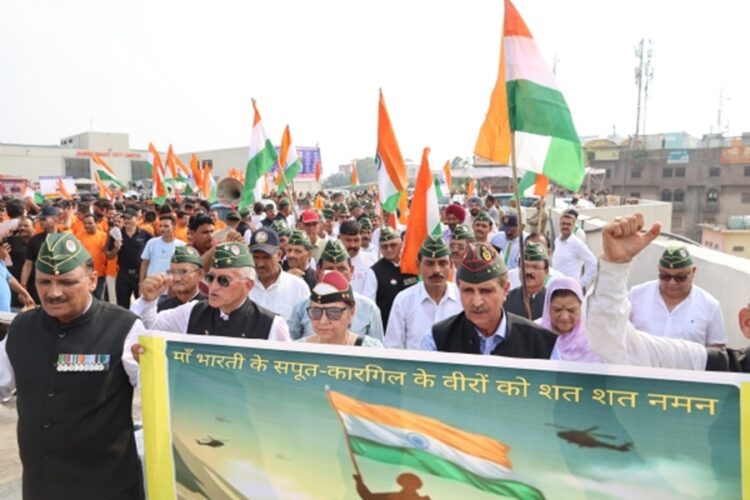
point(562, 315)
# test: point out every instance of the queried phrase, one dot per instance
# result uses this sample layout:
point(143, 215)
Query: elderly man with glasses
point(673, 307)
point(227, 312)
point(186, 271)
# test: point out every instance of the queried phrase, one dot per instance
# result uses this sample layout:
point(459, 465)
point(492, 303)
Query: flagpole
point(522, 263)
point(343, 428)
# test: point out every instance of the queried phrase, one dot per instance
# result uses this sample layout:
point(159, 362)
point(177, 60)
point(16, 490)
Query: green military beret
point(244, 212)
point(387, 234)
point(373, 216)
point(233, 216)
point(328, 213)
point(284, 203)
point(342, 208)
point(676, 257)
point(354, 204)
point(186, 255)
point(364, 223)
point(300, 238)
point(60, 254)
point(462, 232)
point(434, 247)
point(480, 263)
point(281, 228)
point(335, 252)
point(231, 254)
point(482, 216)
point(535, 251)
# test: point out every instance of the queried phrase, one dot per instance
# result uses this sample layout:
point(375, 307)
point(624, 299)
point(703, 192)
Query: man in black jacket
point(71, 363)
point(484, 327)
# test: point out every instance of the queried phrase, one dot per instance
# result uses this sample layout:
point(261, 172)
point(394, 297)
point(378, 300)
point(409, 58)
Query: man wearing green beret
point(433, 299)
point(71, 363)
point(484, 327)
point(673, 306)
point(365, 234)
point(536, 262)
point(459, 242)
point(366, 320)
point(384, 280)
point(297, 261)
point(227, 312)
point(186, 271)
point(482, 227)
point(282, 229)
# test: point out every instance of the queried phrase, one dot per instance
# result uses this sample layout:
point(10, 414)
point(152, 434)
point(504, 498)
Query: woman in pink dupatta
point(562, 315)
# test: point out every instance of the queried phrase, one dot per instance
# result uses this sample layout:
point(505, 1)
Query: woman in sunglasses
point(331, 312)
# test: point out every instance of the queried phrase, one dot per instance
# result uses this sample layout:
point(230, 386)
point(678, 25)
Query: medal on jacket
point(83, 362)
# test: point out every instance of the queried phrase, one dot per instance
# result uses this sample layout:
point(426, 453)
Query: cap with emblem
point(510, 220)
point(482, 216)
point(328, 213)
point(332, 287)
point(49, 211)
point(354, 204)
point(462, 232)
point(480, 263)
point(676, 257)
point(434, 247)
point(233, 216)
point(186, 255)
point(244, 212)
point(281, 228)
point(300, 238)
point(535, 251)
point(265, 240)
point(364, 223)
point(335, 252)
point(387, 234)
point(230, 254)
point(60, 254)
point(343, 209)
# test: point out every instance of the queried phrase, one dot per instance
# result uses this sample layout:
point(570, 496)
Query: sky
point(184, 72)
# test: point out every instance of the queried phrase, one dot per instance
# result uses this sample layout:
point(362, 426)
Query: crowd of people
point(321, 270)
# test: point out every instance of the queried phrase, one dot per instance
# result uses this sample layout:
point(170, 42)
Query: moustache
point(480, 310)
point(436, 276)
point(529, 276)
point(55, 301)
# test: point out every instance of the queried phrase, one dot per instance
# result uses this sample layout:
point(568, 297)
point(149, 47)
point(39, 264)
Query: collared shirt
point(571, 256)
point(698, 317)
point(159, 253)
point(129, 255)
point(177, 319)
point(366, 319)
point(510, 249)
point(414, 312)
point(282, 295)
point(361, 263)
point(486, 344)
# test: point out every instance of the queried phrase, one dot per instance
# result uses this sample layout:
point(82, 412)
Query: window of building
point(635, 174)
point(667, 172)
point(714, 172)
point(679, 195)
point(679, 172)
point(78, 168)
point(747, 171)
point(738, 248)
point(666, 195)
point(139, 170)
point(712, 196)
point(636, 194)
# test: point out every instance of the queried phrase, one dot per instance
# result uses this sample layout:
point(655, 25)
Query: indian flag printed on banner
point(399, 437)
point(527, 106)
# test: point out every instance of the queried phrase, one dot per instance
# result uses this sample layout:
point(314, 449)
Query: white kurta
point(361, 263)
point(571, 256)
point(281, 297)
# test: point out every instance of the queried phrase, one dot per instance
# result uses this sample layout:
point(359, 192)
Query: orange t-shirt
point(181, 233)
point(146, 227)
point(95, 244)
point(77, 227)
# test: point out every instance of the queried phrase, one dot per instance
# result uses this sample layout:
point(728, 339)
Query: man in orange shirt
point(181, 229)
point(77, 225)
point(95, 241)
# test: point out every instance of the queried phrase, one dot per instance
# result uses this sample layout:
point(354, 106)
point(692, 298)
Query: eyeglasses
point(678, 278)
point(224, 281)
point(333, 313)
point(180, 272)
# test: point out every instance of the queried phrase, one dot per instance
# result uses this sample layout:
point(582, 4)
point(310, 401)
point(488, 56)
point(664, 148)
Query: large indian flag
point(392, 176)
point(158, 190)
point(289, 164)
point(399, 437)
point(261, 157)
point(527, 106)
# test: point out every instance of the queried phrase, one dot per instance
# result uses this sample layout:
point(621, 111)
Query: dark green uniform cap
point(335, 252)
point(480, 263)
point(284, 203)
point(434, 247)
point(60, 254)
point(300, 238)
point(281, 228)
point(328, 213)
point(676, 257)
point(186, 255)
point(387, 234)
point(364, 223)
point(535, 251)
point(462, 232)
point(482, 216)
point(231, 254)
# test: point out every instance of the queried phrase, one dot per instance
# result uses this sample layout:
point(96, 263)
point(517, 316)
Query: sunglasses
point(333, 313)
point(678, 278)
point(224, 281)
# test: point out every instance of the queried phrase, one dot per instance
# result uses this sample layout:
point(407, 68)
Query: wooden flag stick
point(522, 261)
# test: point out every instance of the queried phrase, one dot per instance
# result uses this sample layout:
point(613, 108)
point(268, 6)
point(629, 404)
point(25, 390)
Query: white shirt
point(500, 242)
point(370, 286)
point(697, 318)
point(176, 320)
point(414, 312)
point(281, 296)
point(570, 256)
point(614, 339)
point(361, 263)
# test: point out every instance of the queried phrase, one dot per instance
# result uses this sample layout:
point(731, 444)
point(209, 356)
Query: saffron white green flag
point(261, 157)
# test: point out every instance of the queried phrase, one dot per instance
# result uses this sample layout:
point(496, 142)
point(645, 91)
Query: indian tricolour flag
point(289, 164)
point(105, 173)
point(261, 156)
point(424, 216)
point(158, 190)
point(399, 437)
point(392, 176)
point(527, 106)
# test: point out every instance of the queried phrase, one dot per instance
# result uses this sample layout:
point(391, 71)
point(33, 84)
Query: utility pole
point(648, 76)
